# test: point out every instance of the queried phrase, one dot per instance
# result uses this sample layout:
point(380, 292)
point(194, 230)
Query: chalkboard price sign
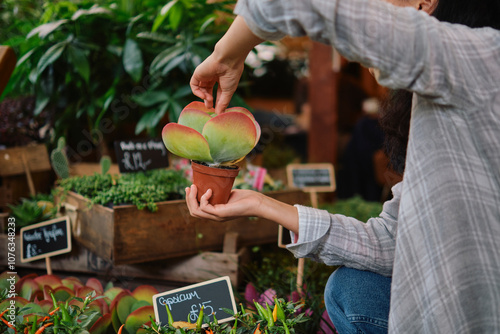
point(140, 155)
point(214, 296)
point(45, 239)
point(311, 177)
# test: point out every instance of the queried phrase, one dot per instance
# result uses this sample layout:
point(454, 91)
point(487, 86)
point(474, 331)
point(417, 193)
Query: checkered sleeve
point(335, 239)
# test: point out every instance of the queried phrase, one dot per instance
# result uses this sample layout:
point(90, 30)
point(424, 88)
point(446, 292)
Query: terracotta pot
point(220, 180)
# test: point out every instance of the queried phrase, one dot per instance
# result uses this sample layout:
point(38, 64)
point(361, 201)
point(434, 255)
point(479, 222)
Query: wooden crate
point(188, 269)
point(125, 235)
point(23, 171)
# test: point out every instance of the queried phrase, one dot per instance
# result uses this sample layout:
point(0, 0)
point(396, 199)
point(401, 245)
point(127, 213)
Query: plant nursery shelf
point(126, 235)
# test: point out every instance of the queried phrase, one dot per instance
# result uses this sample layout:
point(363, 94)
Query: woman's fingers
point(198, 209)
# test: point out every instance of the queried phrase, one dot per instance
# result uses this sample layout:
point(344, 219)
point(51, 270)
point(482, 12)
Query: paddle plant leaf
point(203, 136)
point(195, 116)
point(230, 136)
point(249, 114)
point(186, 142)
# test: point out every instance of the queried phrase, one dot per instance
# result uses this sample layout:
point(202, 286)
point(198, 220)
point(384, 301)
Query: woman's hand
point(242, 203)
point(216, 70)
point(224, 66)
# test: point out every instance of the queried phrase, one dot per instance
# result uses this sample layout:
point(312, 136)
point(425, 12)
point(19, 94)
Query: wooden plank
point(11, 160)
point(85, 168)
point(7, 64)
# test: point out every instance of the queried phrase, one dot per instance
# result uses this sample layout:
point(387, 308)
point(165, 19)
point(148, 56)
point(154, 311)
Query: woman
point(439, 238)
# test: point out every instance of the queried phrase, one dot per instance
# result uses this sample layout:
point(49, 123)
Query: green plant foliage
point(105, 164)
point(355, 207)
point(89, 59)
point(34, 209)
point(59, 160)
point(143, 190)
point(275, 269)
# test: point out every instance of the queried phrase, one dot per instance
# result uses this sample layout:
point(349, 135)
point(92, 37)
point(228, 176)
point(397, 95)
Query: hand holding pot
point(243, 203)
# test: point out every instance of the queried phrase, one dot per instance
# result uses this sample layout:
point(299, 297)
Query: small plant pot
point(219, 179)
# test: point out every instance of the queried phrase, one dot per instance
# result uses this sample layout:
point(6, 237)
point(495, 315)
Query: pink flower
point(251, 294)
point(326, 325)
point(267, 297)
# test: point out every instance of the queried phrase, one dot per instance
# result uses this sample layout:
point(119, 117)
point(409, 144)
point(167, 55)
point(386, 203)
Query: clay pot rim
point(226, 171)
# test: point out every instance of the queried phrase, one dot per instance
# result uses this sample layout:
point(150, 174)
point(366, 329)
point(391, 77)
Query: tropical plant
point(143, 61)
point(201, 135)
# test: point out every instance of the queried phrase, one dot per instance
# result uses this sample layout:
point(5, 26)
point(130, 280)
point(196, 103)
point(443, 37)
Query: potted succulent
point(214, 144)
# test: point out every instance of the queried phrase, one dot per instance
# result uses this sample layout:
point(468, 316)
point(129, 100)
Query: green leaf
point(165, 57)
point(46, 29)
point(50, 56)
point(78, 58)
point(205, 24)
point(151, 118)
point(25, 57)
point(90, 320)
point(176, 13)
point(182, 92)
point(155, 37)
point(163, 15)
point(41, 102)
point(94, 10)
point(150, 98)
point(132, 59)
point(173, 64)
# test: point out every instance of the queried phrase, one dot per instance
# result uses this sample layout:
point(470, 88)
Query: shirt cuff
point(314, 224)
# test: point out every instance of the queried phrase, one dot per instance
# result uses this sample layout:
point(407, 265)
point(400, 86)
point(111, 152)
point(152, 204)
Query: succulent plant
point(201, 135)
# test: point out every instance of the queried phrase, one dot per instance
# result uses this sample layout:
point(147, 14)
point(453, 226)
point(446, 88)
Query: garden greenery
point(142, 189)
point(88, 60)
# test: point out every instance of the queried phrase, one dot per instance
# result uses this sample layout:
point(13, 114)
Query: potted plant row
point(50, 304)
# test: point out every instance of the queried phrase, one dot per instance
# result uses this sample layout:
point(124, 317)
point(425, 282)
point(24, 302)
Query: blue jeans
point(358, 301)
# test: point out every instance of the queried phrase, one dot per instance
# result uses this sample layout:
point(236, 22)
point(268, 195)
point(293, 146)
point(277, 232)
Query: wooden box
point(125, 235)
point(23, 171)
point(188, 269)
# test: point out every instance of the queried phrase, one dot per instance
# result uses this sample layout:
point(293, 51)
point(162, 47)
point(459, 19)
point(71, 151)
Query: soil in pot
point(219, 179)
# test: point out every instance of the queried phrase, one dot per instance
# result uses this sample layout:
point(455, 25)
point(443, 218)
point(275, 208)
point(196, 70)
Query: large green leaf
point(150, 98)
point(172, 64)
point(155, 37)
point(78, 58)
point(132, 59)
point(42, 100)
point(175, 15)
point(165, 57)
point(163, 15)
point(50, 56)
point(94, 10)
point(151, 119)
point(46, 29)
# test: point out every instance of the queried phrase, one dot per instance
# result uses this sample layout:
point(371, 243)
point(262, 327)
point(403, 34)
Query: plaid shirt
point(445, 257)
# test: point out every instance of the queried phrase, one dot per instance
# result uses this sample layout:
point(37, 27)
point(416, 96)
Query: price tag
point(311, 177)
point(45, 239)
point(140, 155)
point(185, 303)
